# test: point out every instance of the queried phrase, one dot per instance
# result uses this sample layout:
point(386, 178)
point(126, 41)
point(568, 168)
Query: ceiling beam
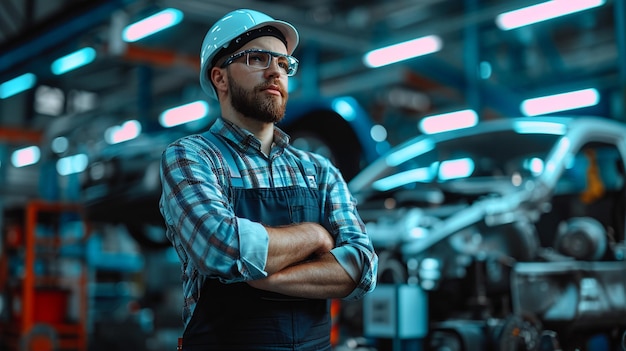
point(69, 25)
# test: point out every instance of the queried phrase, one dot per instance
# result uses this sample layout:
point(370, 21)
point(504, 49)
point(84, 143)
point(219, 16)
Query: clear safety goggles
point(262, 59)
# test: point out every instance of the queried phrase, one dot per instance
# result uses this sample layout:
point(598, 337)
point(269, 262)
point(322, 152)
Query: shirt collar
point(243, 138)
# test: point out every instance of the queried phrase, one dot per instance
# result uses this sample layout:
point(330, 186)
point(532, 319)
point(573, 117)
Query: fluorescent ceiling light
point(26, 156)
point(184, 114)
point(73, 61)
point(402, 51)
point(543, 11)
point(153, 24)
point(72, 164)
point(127, 131)
point(448, 121)
point(560, 102)
point(17, 85)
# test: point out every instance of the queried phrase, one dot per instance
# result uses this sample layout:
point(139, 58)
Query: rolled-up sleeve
point(354, 250)
point(254, 242)
point(354, 261)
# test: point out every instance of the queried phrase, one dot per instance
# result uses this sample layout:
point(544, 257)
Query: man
point(266, 233)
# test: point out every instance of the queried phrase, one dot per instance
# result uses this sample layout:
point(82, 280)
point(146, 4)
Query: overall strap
point(227, 154)
point(307, 168)
point(309, 171)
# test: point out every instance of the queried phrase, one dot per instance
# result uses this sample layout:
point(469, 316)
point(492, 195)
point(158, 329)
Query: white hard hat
point(231, 26)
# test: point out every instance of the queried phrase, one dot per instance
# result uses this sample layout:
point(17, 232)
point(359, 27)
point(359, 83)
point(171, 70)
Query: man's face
point(259, 94)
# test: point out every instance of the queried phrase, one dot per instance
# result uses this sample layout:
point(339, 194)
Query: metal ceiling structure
point(480, 66)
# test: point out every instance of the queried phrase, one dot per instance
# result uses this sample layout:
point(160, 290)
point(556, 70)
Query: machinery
point(504, 236)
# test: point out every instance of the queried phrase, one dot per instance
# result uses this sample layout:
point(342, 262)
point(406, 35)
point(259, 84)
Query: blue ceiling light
point(152, 24)
point(184, 114)
point(403, 51)
point(543, 11)
point(26, 156)
point(72, 164)
point(448, 121)
point(560, 102)
point(127, 131)
point(73, 61)
point(17, 85)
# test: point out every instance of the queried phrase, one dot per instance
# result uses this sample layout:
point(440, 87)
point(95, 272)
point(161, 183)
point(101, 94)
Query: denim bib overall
point(239, 317)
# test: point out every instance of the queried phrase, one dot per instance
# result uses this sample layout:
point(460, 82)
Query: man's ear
point(219, 79)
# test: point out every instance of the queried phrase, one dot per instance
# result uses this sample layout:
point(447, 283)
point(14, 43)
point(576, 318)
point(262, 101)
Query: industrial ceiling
point(480, 66)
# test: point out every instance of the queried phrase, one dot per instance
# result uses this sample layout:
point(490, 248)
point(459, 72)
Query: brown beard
point(252, 105)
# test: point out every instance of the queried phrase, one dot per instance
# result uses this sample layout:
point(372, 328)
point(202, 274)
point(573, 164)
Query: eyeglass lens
point(264, 60)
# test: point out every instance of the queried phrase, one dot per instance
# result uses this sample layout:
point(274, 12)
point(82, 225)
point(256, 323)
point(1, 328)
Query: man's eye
point(258, 57)
point(282, 62)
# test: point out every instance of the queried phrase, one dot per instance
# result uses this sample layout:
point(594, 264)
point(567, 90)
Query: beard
point(256, 106)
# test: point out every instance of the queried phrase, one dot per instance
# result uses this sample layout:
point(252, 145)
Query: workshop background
point(90, 95)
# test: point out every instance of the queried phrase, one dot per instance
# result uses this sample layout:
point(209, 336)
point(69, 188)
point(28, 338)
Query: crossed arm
point(299, 263)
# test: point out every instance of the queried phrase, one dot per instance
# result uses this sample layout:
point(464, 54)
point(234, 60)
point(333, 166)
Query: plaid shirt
point(212, 242)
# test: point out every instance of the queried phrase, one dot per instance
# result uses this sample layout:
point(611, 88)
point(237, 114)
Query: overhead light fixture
point(127, 131)
point(560, 102)
point(543, 11)
point(73, 61)
point(26, 156)
point(403, 51)
point(72, 164)
point(184, 114)
point(152, 24)
point(448, 121)
point(17, 85)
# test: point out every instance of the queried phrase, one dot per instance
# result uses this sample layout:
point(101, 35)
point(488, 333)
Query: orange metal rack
point(40, 298)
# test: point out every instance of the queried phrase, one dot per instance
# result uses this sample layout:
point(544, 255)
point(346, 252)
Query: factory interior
point(483, 140)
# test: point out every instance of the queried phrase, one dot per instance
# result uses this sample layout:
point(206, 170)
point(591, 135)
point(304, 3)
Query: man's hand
point(294, 244)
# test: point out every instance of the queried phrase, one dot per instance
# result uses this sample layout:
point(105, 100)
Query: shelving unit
point(43, 277)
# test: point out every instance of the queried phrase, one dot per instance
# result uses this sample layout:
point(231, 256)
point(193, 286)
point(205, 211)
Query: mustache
point(275, 85)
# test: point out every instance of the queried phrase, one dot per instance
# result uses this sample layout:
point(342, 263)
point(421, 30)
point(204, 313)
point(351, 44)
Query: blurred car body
point(513, 227)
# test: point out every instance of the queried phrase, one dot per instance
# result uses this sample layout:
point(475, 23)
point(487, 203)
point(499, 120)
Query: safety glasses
point(262, 59)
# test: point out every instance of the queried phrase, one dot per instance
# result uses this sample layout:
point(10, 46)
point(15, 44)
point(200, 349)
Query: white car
point(511, 230)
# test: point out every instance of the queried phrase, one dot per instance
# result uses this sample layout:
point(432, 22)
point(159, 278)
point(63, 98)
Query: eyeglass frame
point(292, 61)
